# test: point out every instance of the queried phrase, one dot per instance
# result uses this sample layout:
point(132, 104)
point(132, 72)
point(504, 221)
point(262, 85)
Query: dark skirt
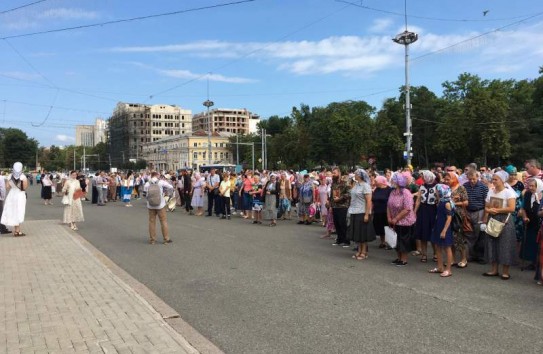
point(359, 231)
point(46, 193)
point(247, 201)
point(502, 249)
point(406, 240)
point(529, 246)
point(426, 218)
point(379, 223)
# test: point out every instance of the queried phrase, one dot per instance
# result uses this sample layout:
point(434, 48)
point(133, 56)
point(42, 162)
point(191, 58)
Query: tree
point(16, 146)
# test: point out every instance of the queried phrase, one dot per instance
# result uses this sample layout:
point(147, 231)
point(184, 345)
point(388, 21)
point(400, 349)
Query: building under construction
point(135, 124)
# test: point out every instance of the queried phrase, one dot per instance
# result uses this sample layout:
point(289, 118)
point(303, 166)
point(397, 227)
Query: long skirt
point(406, 240)
point(501, 249)
point(360, 231)
point(46, 192)
point(126, 194)
point(426, 218)
point(73, 213)
point(379, 223)
point(270, 209)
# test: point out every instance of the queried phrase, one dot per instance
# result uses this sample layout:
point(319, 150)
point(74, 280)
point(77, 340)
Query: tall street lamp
point(208, 104)
point(406, 38)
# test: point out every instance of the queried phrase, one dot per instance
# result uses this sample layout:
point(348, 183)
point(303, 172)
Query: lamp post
point(208, 104)
point(406, 38)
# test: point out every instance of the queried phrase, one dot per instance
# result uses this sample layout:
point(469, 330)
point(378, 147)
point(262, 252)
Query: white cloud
point(67, 14)
point(381, 25)
point(365, 55)
point(33, 19)
point(186, 74)
point(18, 75)
point(64, 138)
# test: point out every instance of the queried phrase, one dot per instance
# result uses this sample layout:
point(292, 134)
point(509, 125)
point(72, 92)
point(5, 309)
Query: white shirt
point(495, 198)
point(2, 188)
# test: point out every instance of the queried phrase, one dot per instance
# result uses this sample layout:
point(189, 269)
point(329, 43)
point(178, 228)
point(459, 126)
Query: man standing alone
point(155, 189)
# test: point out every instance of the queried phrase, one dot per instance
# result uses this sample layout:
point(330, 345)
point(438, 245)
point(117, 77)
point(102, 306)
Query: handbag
point(65, 200)
point(494, 227)
point(391, 237)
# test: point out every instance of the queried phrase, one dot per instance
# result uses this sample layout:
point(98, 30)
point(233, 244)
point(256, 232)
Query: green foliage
point(16, 146)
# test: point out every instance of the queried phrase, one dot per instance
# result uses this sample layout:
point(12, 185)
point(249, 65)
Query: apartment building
point(226, 120)
point(134, 124)
point(90, 135)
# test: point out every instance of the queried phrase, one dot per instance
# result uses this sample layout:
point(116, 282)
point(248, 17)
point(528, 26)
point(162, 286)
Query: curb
point(184, 332)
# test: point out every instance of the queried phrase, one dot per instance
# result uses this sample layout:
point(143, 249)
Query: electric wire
point(139, 18)
point(21, 7)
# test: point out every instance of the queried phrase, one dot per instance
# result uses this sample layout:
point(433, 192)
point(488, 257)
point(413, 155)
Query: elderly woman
point(15, 203)
point(285, 196)
point(379, 200)
point(73, 210)
point(425, 209)
point(401, 216)
point(271, 199)
point(500, 203)
point(529, 214)
point(256, 194)
point(197, 193)
point(459, 197)
point(360, 227)
point(306, 195)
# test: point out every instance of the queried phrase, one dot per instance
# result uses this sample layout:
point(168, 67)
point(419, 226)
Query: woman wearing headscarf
point(442, 236)
point(459, 197)
point(285, 196)
point(529, 214)
point(360, 227)
point(271, 199)
point(13, 214)
point(518, 187)
point(323, 190)
point(197, 193)
point(379, 199)
point(401, 216)
point(500, 203)
point(425, 209)
point(127, 189)
point(47, 188)
point(73, 211)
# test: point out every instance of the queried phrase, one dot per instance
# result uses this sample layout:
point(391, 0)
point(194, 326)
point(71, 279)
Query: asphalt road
point(255, 289)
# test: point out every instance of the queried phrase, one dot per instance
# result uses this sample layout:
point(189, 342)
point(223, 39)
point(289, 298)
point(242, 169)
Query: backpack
point(307, 194)
point(154, 195)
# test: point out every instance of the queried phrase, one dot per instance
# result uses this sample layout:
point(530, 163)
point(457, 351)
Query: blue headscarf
point(444, 193)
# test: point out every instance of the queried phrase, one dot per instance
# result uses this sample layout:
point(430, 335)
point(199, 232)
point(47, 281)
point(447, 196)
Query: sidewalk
point(56, 296)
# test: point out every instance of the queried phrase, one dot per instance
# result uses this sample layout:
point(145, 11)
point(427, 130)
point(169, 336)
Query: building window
point(195, 144)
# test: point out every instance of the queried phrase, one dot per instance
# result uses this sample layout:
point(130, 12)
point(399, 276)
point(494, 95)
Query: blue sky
point(263, 55)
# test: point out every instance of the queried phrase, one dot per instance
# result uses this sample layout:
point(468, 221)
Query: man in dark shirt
point(477, 192)
point(339, 201)
point(187, 186)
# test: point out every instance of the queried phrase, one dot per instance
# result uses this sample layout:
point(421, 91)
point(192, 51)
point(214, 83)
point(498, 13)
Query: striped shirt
point(476, 195)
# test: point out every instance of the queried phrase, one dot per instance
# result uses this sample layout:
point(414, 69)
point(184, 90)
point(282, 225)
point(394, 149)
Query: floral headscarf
point(428, 176)
point(444, 193)
point(454, 179)
point(363, 174)
point(400, 179)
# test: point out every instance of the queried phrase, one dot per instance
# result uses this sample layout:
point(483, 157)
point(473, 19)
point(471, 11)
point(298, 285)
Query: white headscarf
point(17, 170)
point(536, 197)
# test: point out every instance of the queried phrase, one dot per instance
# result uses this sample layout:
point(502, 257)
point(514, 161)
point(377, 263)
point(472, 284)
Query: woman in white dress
point(198, 194)
point(73, 209)
point(15, 203)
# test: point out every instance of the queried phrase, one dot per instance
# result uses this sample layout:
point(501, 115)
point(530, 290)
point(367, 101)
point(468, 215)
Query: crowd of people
point(470, 214)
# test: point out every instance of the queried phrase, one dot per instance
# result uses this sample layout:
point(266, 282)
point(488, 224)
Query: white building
point(187, 151)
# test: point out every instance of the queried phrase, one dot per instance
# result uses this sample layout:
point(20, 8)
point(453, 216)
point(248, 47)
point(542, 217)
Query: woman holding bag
point(360, 227)
point(73, 209)
point(500, 203)
point(401, 216)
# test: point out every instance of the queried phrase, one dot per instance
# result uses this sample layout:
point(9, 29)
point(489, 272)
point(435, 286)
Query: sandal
point(435, 270)
point(445, 274)
point(462, 264)
point(505, 276)
point(424, 259)
point(17, 234)
point(434, 258)
point(487, 274)
point(416, 253)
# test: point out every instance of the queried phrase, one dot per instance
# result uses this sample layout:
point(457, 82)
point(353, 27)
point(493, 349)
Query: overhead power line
point(486, 19)
point(132, 19)
point(21, 7)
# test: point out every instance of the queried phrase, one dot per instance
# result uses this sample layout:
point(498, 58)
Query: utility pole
point(74, 157)
point(406, 38)
point(237, 148)
point(208, 104)
point(84, 160)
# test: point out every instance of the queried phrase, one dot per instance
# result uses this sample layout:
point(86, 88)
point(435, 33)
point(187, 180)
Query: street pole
point(208, 104)
point(406, 38)
point(84, 159)
point(74, 157)
point(253, 156)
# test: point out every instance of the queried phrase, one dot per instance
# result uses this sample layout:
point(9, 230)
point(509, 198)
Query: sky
point(68, 62)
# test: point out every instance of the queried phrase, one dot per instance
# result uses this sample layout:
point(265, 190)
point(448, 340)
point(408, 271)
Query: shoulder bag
point(494, 227)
